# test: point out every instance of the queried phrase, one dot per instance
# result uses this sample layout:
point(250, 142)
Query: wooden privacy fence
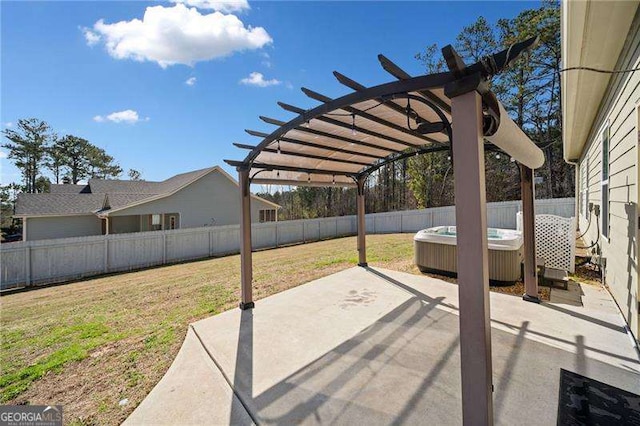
point(48, 261)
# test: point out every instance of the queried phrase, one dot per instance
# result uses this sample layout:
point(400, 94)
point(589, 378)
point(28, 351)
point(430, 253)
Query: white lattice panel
point(555, 240)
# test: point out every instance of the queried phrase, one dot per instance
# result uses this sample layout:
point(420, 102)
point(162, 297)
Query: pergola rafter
point(309, 156)
point(364, 114)
point(311, 145)
point(400, 74)
point(398, 109)
point(329, 136)
point(357, 128)
point(326, 145)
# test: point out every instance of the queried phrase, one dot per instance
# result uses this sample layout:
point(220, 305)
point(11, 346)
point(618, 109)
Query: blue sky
point(125, 87)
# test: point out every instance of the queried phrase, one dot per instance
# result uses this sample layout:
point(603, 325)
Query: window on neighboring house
point(605, 182)
point(268, 215)
point(156, 222)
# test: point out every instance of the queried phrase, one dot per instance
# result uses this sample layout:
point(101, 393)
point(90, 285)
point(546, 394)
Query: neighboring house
point(600, 133)
point(205, 197)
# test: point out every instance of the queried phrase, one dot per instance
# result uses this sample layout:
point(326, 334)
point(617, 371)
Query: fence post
point(276, 231)
point(164, 248)
point(210, 242)
point(106, 254)
point(27, 265)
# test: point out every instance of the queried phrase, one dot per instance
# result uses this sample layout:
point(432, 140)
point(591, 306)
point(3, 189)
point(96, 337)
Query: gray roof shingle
point(57, 204)
point(69, 189)
point(88, 199)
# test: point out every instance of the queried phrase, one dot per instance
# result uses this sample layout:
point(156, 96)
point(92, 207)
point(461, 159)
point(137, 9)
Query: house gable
point(212, 199)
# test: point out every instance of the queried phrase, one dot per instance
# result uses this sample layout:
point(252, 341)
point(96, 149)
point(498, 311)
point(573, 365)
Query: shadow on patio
point(370, 346)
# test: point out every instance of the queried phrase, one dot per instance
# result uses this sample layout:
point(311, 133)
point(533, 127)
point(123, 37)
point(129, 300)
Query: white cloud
point(266, 59)
point(3, 154)
point(225, 6)
point(8, 124)
point(191, 81)
point(257, 79)
point(128, 116)
point(91, 37)
point(177, 35)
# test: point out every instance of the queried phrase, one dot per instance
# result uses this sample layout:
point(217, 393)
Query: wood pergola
point(343, 141)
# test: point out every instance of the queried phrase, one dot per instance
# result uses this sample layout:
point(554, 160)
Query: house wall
point(124, 224)
point(618, 110)
point(211, 200)
point(45, 228)
point(145, 221)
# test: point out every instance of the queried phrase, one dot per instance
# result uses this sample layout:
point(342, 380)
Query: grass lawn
point(91, 344)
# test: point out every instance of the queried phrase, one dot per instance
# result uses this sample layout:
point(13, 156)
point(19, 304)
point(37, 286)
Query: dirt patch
point(588, 274)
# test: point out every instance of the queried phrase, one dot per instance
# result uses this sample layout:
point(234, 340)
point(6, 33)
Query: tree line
point(43, 158)
point(35, 149)
point(529, 90)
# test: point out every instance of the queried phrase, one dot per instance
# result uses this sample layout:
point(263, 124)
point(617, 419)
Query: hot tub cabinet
point(435, 251)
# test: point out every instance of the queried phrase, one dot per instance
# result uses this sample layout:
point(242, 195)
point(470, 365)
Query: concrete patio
point(373, 346)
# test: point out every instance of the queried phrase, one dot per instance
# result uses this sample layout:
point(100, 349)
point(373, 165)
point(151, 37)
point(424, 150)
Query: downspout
point(576, 207)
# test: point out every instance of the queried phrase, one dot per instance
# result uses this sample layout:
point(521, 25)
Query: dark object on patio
point(584, 401)
point(12, 238)
point(553, 276)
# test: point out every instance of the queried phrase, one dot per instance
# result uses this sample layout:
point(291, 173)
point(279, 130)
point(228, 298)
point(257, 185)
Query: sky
point(167, 87)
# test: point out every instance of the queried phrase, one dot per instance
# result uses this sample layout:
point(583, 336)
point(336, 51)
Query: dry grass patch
point(91, 344)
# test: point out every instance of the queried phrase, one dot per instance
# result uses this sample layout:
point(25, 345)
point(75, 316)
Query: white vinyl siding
point(45, 228)
point(617, 115)
point(604, 182)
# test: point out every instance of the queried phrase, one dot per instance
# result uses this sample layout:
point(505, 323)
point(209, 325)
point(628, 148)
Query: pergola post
point(362, 244)
point(472, 256)
point(246, 265)
point(528, 235)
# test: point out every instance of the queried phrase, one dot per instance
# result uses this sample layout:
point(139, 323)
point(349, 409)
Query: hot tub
point(435, 251)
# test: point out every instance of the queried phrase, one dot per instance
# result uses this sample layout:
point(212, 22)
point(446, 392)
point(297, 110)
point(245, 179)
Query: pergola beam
point(315, 145)
point(404, 155)
point(393, 69)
